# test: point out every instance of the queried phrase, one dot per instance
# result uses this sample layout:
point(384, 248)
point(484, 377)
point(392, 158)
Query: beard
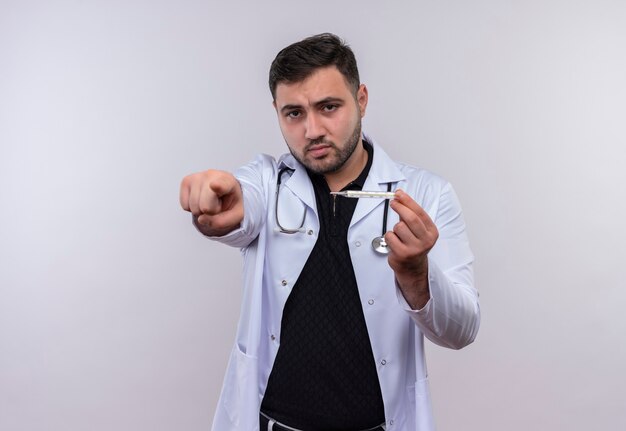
point(333, 161)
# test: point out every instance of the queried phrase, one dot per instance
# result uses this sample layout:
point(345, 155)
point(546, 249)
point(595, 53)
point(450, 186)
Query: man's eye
point(293, 114)
point(330, 108)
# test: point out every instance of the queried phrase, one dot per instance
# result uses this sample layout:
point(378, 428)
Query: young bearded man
point(334, 312)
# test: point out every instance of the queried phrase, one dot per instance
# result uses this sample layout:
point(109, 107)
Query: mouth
point(319, 150)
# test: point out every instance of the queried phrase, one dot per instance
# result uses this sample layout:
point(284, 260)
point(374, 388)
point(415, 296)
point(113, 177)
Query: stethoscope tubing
point(378, 243)
point(282, 229)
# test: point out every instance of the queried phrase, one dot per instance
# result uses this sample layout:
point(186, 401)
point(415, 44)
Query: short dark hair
point(299, 60)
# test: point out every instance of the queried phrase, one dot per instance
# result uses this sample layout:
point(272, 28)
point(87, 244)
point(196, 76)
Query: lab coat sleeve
point(452, 315)
point(254, 179)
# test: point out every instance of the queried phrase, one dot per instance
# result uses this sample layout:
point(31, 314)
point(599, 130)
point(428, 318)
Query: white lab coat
point(273, 261)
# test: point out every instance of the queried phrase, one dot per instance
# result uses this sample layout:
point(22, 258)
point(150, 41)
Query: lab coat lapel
point(382, 172)
point(299, 182)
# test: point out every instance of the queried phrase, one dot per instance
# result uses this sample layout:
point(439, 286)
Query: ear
point(361, 98)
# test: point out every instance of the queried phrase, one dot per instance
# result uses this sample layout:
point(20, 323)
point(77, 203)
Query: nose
point(314, 127)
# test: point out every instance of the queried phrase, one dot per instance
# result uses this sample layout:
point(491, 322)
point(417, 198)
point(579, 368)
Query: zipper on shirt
point(333, 220)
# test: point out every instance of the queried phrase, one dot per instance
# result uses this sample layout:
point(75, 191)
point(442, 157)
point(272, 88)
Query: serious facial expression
point(320, 119)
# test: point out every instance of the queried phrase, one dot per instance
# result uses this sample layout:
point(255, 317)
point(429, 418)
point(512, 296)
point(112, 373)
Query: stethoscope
point(379, 245)
point(281, 228)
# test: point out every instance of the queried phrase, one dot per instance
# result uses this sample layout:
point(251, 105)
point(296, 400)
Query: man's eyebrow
point(328, 100)
point(290, 107)
point(324, 101)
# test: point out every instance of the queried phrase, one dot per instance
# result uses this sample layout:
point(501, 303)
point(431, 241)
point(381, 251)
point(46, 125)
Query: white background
point(116, 315)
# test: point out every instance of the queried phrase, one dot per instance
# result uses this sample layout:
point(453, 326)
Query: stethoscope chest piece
point(380, 245)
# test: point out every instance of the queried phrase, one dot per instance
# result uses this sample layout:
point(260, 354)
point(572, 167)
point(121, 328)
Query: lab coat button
point(370, 302)
point(284, 282)
point(358, 243)
point(391, 422)
point(310, 232)
point(383, 362)
point(273, 337)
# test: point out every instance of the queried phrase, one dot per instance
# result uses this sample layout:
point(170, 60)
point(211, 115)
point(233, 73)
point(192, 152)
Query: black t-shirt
point(324, 376)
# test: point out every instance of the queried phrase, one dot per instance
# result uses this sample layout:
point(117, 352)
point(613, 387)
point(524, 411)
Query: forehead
point(323, 83)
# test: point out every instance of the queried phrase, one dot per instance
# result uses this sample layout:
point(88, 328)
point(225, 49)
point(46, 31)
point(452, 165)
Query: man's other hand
point(409, 243)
